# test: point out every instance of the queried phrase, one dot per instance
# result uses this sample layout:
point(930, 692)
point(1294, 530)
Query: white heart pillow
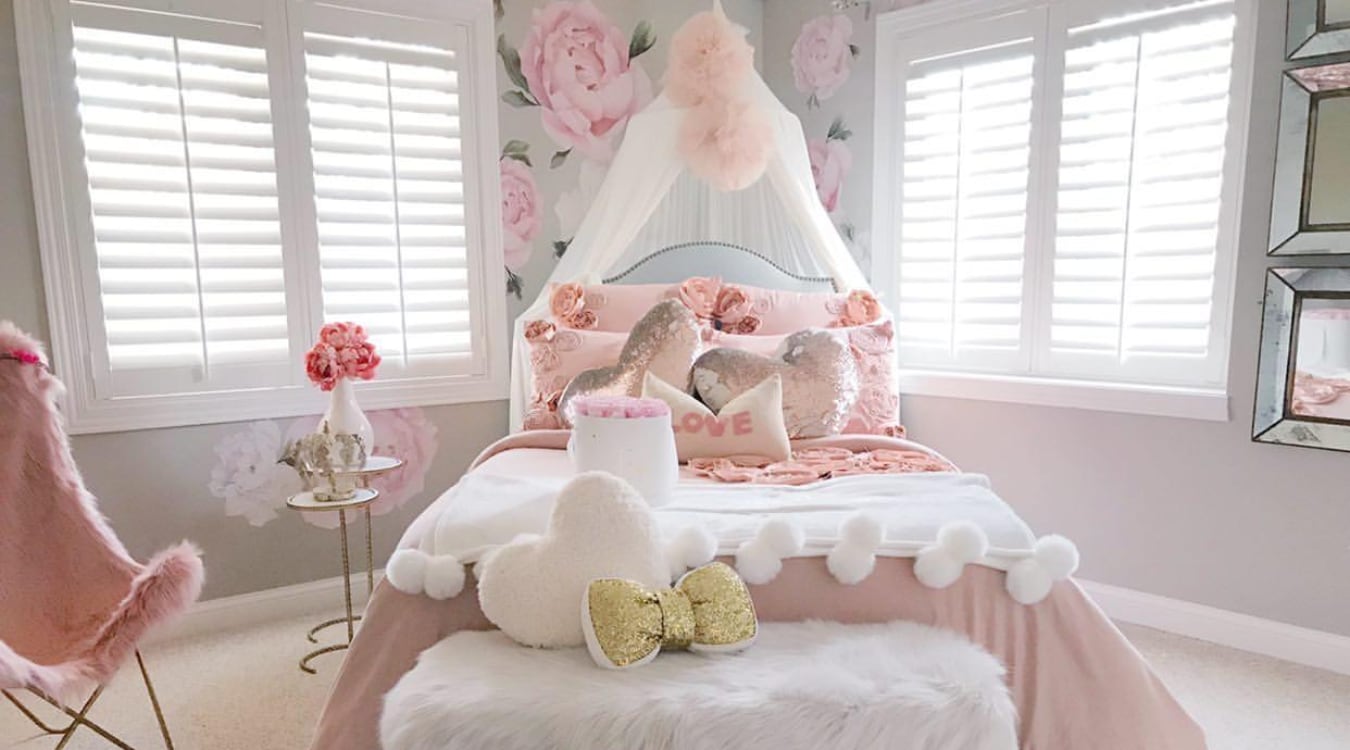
point(750, 424)
point(600, 528)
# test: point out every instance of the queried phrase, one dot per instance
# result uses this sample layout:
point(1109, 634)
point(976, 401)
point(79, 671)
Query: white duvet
point(946, 520)
point(486, 510)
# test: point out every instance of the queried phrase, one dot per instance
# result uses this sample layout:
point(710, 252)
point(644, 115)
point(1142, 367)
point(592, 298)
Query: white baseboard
point(1314, 648)
point(1280, 640)
point(261, 607)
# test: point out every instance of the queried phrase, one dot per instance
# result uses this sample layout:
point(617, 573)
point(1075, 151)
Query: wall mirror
point(1318, 27)
point(1303, 385)
point(1309, 212)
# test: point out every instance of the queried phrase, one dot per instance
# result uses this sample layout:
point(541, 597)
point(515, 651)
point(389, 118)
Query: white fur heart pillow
point(600, 528)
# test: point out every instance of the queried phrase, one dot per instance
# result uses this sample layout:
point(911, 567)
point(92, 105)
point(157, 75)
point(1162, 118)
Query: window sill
point(1127, 398)
point(86, 415)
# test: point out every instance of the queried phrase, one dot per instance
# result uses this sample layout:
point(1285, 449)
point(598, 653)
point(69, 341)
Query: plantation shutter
point(1142, 151)
point(175, 122)
point(1063, 205)
point(383, 98)
point(964, 192)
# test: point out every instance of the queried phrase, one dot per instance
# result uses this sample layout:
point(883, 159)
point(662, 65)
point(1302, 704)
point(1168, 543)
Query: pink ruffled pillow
point(733, 308)
point(556, 356)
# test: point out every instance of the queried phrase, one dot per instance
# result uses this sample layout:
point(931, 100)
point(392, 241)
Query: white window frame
point(66, 240)
point(1206, 402)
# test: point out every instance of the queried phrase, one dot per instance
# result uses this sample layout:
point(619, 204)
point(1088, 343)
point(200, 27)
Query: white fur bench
point(802, 685)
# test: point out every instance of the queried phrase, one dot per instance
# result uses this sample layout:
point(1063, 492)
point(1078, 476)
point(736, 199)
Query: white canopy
point(649, 201)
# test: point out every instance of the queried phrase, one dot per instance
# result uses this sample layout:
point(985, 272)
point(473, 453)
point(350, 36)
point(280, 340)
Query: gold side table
point(306, 502)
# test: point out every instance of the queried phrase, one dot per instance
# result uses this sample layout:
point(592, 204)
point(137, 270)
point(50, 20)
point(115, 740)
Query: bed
point(1077, 682)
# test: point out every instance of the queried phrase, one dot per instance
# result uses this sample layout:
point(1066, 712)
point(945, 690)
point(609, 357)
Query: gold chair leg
point(81, 718)
point(78, 718)
point(34, 717)
point(154, 702)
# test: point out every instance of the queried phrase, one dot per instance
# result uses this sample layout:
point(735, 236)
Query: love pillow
point(750, 424)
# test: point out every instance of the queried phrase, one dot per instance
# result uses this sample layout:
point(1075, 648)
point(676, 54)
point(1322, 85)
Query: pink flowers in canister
point(342, 351)
point(619, 407)
point(822, 57)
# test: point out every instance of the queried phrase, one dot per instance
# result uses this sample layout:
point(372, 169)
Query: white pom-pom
point(1057, 556)
point(692, 547)
point(862, 530)
point(964, 541)
point(936, 568)
point(782, 537)
point(407, 570)
point(444, 577)
point(850, 563)
point(757, 562)
point(1028, 582)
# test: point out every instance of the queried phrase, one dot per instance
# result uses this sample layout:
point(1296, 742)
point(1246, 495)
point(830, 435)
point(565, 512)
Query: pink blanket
point(1078, 684)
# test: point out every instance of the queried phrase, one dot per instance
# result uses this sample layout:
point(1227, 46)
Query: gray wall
point(1180, 508)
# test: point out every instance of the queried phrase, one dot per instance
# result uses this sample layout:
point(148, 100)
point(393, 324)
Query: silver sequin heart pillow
point(820, 380)
point(664, 342)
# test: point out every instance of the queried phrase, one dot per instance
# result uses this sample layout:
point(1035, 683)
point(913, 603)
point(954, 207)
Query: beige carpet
point(243, 691)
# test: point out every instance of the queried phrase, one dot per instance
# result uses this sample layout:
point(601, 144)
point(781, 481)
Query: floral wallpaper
point(570, 70)
point(254, 483)
point(570, 74)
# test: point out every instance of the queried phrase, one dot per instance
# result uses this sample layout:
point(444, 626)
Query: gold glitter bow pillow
point(627, 624)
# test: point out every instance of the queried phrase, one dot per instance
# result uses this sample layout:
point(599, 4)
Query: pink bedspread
point(1078, 684)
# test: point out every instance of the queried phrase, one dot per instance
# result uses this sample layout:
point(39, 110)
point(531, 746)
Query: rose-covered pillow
point(556, 356)
point(730, 308)
point(750, 424)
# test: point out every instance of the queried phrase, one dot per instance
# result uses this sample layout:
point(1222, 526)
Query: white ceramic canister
point(638, 450)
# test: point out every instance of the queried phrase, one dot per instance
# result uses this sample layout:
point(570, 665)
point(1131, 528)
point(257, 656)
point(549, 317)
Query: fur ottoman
point(802, 685)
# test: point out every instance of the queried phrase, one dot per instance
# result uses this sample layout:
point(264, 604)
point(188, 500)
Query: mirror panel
point(1317, 27)
point(1336, 13)
point(1303, 383)
point(1309, 212)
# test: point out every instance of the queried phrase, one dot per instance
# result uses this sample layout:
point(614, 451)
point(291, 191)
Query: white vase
point(344, 416)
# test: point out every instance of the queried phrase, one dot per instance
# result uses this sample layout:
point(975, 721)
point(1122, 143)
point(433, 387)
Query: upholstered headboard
point(731, 263)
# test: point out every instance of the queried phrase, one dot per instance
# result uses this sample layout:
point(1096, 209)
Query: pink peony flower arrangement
point(342, 351)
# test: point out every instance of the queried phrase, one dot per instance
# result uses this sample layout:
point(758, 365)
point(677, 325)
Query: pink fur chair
point(73, 603)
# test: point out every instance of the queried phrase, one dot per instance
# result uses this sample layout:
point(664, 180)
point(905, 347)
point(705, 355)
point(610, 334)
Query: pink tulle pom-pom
point(619, 407)
point(709, 60)
point(727, 143)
